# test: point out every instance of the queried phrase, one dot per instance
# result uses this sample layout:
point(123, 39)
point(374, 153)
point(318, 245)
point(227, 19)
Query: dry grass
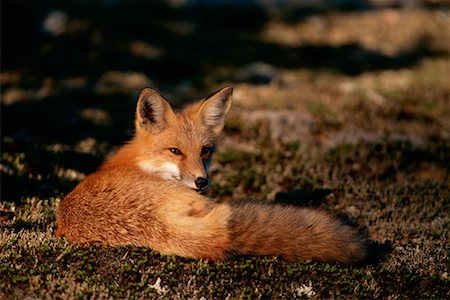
point(362, 130)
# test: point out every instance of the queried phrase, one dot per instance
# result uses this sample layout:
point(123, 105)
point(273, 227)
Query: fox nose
point(201, 182)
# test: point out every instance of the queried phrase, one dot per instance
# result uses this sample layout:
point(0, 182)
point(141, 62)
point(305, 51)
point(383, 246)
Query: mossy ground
point(341, 108)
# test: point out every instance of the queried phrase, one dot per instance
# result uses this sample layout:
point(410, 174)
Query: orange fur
point(146, 195)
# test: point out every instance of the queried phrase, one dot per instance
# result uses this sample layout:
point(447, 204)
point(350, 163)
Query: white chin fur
point(189, 184)
point(168, 171)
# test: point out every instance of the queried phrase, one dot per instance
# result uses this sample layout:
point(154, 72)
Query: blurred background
point(322, 72)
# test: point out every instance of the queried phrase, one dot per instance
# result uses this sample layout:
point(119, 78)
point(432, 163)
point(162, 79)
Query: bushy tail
point(294, 233)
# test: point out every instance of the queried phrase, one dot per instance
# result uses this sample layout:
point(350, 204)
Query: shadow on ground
point(193, 45)
point(168, 44)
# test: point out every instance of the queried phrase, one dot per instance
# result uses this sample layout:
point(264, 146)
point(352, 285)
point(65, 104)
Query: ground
point(340, 107)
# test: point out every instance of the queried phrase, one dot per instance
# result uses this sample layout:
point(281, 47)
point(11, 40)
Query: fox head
point(177, 145)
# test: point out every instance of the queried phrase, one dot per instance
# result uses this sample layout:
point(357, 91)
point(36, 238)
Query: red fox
point(147, 194)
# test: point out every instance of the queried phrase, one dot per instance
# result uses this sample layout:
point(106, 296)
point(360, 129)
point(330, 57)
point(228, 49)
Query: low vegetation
point(327, 113)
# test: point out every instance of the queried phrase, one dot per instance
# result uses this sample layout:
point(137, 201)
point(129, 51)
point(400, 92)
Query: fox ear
point(153, 111)
point(215, 107)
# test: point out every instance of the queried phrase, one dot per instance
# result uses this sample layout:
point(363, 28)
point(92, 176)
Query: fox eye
point(206, 152)
point(175, 151)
